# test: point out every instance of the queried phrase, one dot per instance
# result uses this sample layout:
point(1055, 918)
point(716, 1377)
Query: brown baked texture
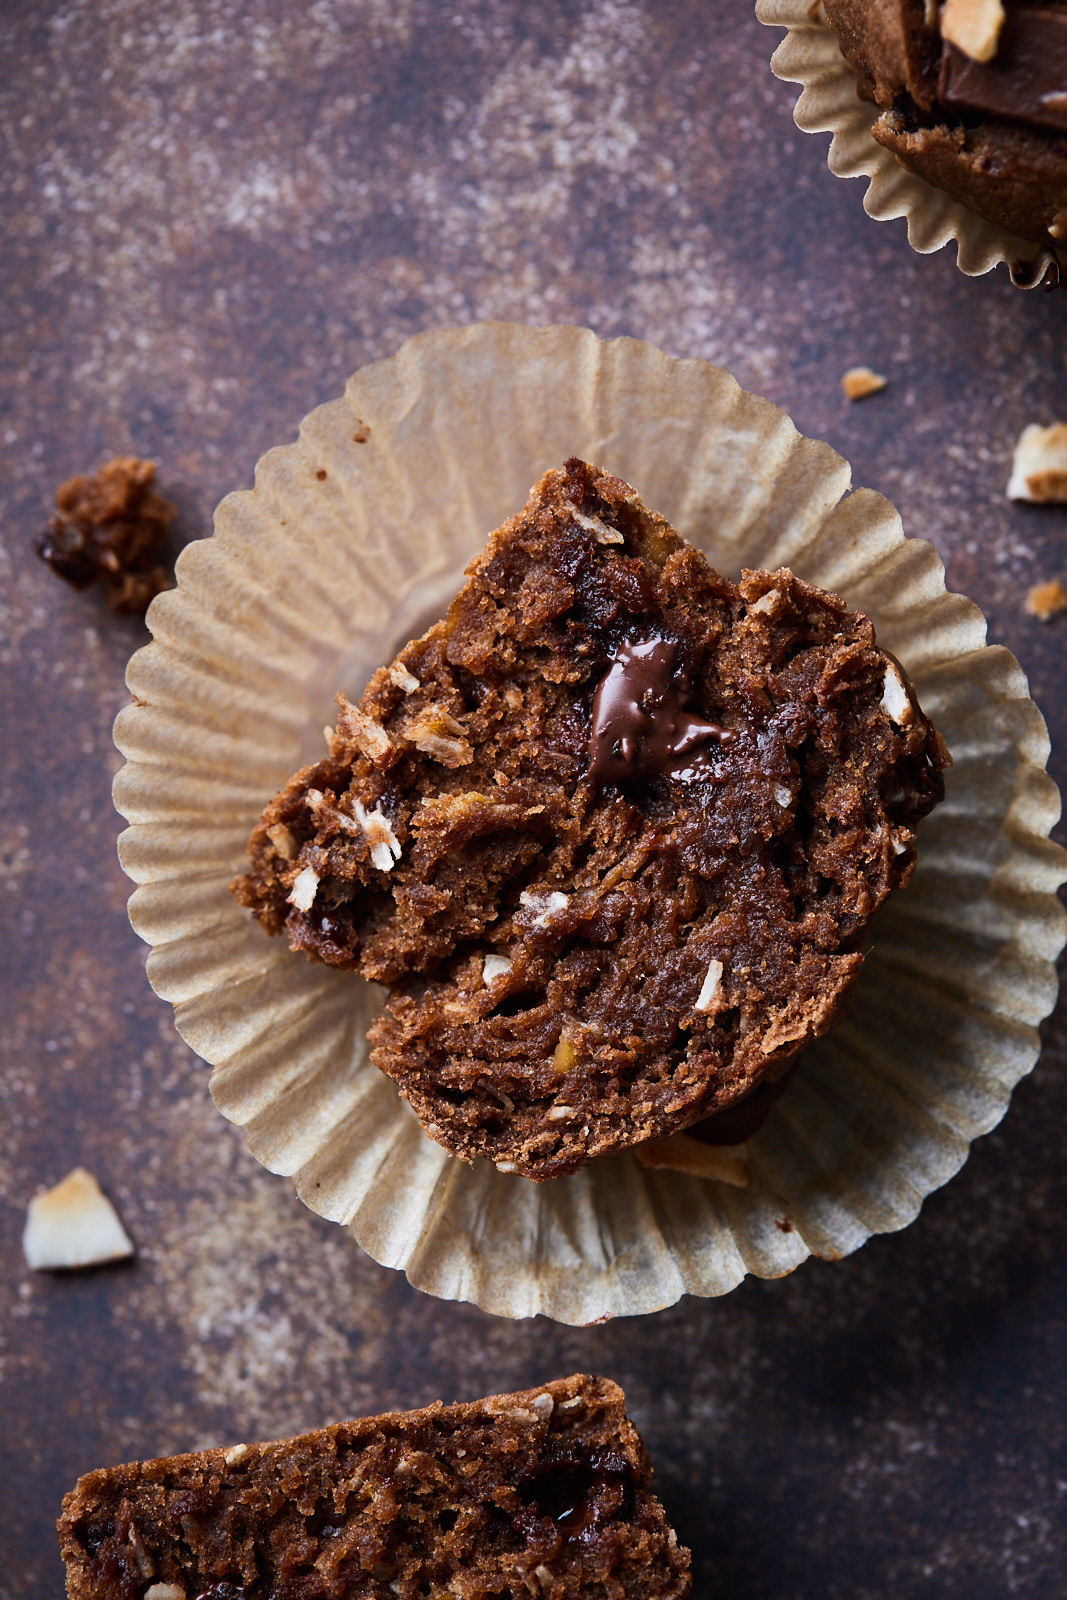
point(578, 965)
point(544, 1493)
point(110, 526)
point(1006, 170)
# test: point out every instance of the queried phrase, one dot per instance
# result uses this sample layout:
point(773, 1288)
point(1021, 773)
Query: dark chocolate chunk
point(640, 724)
point(1026, 79)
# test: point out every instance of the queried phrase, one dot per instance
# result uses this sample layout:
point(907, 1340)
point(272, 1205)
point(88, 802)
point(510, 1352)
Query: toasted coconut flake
point(859, 382)
point(164, 1591)
point(384, 844)
point(73, 1225)
point(767, 603)
point(236, 1454)
point(710, 987)
point(404, 679)
point(1047, 600)
point(544, 1405)
point(282, 840)
point(973, 26)
point(681, 1153)
point(560, 1112)
point(363, 732)
point(1039, 465)
point(494, 967)
point(602, 531)
point(895, 702)
point(305, 887)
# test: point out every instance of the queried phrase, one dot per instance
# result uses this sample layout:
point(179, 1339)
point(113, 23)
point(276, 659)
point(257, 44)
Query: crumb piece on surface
point(858, 382)
point(1039, 465)
point(110, 525)
point(1047, 600)
point(973, 26)
point(73, 1225)
point(682, 1153)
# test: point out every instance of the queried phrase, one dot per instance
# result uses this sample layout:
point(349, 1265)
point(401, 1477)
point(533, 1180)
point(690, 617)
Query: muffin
point(545, 1492)
point(353, 541)
point(611, 833)
point(972, 98)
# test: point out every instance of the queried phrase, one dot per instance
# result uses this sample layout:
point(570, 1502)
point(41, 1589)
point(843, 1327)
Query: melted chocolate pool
point(641, 727)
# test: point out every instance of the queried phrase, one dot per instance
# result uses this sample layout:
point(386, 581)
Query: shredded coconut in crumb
point(494, 967)
point(384, 844)
point(710, 987)
point(305, 887)
point(403, 678)
point(546, 905)
point(895, 702)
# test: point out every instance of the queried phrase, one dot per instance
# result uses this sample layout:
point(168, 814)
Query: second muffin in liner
point(352, 540)
point(829, 102)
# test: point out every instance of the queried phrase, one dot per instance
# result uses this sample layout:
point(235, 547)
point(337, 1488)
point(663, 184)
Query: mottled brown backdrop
point(211, 212)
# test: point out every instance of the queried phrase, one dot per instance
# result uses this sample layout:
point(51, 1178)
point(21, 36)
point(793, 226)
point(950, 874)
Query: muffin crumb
point(859, 382)
point(1047, 600)
point(111, 526)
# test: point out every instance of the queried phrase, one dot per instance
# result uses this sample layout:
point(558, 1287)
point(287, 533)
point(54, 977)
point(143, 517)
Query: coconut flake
point(544, 1405)
point(494, 967)
point(73, 1225)
point(164, 1591)
point(236, 1454)
point(384, 844)
point(560, 1112)
point(545, 905)
point(404, 679)
point(767, 603)
point(362, 731)
point(305, 887)
point(895, 702)
point(710, 987)
point(1039, 465)
point(602, 532)
point(282, 840)
point(783, 795)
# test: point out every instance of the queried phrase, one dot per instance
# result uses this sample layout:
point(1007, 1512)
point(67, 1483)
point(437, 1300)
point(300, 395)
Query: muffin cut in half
point(610, 832)
point(973, 98)
point(547, 1492)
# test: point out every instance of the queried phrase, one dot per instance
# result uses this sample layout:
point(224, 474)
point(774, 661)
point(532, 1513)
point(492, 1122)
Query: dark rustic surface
point(211, 213)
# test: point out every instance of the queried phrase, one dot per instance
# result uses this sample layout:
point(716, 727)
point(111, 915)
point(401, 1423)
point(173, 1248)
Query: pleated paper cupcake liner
point(353, 538)
point(829, 103)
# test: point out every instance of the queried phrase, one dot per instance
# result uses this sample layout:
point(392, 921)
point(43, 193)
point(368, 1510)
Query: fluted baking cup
point(351, 540)
point(829, 103)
